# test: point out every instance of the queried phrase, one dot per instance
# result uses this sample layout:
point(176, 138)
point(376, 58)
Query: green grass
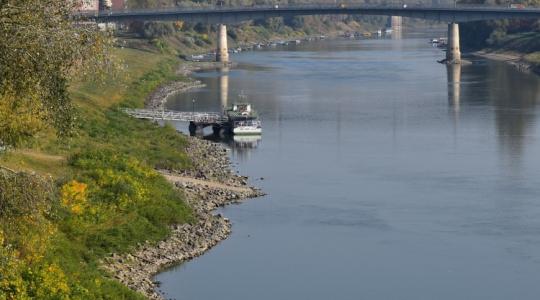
point(526, 42)
point(115, 155)
point(533, 58)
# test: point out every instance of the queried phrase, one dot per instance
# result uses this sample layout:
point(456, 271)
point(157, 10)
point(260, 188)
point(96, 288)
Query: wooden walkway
point(171, 115)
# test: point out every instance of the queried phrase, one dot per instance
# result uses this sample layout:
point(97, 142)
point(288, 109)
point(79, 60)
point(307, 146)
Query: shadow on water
point(511, 94)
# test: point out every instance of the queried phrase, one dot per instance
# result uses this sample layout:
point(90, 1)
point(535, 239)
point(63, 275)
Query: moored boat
point(250, 127)
point(243, 120)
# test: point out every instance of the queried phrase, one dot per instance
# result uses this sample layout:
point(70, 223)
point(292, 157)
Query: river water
point(389, 176)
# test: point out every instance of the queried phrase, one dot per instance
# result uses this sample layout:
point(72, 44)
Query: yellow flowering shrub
point(50, 282)
point(9, 266)
point(73, 196)
point(32, 237)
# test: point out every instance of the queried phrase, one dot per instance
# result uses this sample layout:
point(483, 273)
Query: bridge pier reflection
point(453, 72)
point(224, 88)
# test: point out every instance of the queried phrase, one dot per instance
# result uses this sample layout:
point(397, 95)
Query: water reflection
point(515, 96)
point(397, 33)
point(241, 145)
point(224, 88)
point(454, 86)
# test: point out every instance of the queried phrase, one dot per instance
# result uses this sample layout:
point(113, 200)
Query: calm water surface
point(389, 176)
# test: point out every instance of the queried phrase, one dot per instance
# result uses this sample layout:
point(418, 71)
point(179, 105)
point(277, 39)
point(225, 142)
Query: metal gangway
point(171, 115)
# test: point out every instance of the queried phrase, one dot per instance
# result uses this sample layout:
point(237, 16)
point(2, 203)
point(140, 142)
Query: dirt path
point(500, 56)
point(207, 183)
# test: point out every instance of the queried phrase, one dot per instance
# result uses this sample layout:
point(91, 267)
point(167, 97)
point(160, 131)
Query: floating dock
point(221, 123)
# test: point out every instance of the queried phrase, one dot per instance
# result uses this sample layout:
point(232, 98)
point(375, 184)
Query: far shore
point(513, 58)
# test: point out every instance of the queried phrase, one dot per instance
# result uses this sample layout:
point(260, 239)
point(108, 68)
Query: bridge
point(231, 15)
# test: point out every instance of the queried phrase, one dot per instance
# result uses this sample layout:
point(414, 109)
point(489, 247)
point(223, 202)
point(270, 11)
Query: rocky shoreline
point(209, 184)
point(158, 98)
point(187, 241)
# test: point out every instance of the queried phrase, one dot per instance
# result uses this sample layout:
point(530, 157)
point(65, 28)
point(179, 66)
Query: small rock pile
point(204, 199)
point(211, 162)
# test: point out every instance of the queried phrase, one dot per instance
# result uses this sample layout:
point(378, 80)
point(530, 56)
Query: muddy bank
point(209, 185)
point(512, 58)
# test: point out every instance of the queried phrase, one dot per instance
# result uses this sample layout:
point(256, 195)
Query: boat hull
point(247, 131)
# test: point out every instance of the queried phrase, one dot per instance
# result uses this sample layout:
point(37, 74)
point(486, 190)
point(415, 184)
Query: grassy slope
point(128, 202)
point(48, 155)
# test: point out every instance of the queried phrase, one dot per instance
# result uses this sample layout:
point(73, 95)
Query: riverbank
point(517, 60)
point(209, 185)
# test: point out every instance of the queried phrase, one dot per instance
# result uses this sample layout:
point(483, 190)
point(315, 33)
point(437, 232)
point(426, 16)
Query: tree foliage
point(42, 44)
point(481, 34)
point(26, 203)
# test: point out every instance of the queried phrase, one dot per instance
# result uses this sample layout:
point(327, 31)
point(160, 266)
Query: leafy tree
point(42, 44)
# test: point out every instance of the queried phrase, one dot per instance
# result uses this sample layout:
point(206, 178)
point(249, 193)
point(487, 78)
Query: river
point(389, 176)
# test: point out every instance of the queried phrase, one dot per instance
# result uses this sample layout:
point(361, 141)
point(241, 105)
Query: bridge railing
point(185, 116)
point(337, 5)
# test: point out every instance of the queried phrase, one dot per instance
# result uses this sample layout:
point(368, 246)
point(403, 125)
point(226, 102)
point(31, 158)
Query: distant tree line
point(482, 34)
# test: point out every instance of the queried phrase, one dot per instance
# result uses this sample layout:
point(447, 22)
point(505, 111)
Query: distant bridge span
point(232, 15)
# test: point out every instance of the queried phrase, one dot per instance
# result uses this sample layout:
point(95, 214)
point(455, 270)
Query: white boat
point(243, 120)
point(249, 127)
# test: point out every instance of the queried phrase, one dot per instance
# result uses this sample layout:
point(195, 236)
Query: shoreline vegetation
point(128, 197)
point(209, 184)
point(186, 241)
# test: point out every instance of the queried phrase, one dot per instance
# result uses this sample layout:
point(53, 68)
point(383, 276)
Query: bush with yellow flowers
point(73, 196)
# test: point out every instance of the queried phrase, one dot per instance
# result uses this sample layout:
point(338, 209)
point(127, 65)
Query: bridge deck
point(224, 14)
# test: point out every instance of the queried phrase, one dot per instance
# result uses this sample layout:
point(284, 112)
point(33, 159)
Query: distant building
point(118, 4)
point(103, 4)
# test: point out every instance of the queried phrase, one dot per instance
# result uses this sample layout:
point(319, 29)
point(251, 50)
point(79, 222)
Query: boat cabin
point(242, 108)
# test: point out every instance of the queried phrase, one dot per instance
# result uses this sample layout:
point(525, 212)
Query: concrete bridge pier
point(453, 53)
point(222, 51)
